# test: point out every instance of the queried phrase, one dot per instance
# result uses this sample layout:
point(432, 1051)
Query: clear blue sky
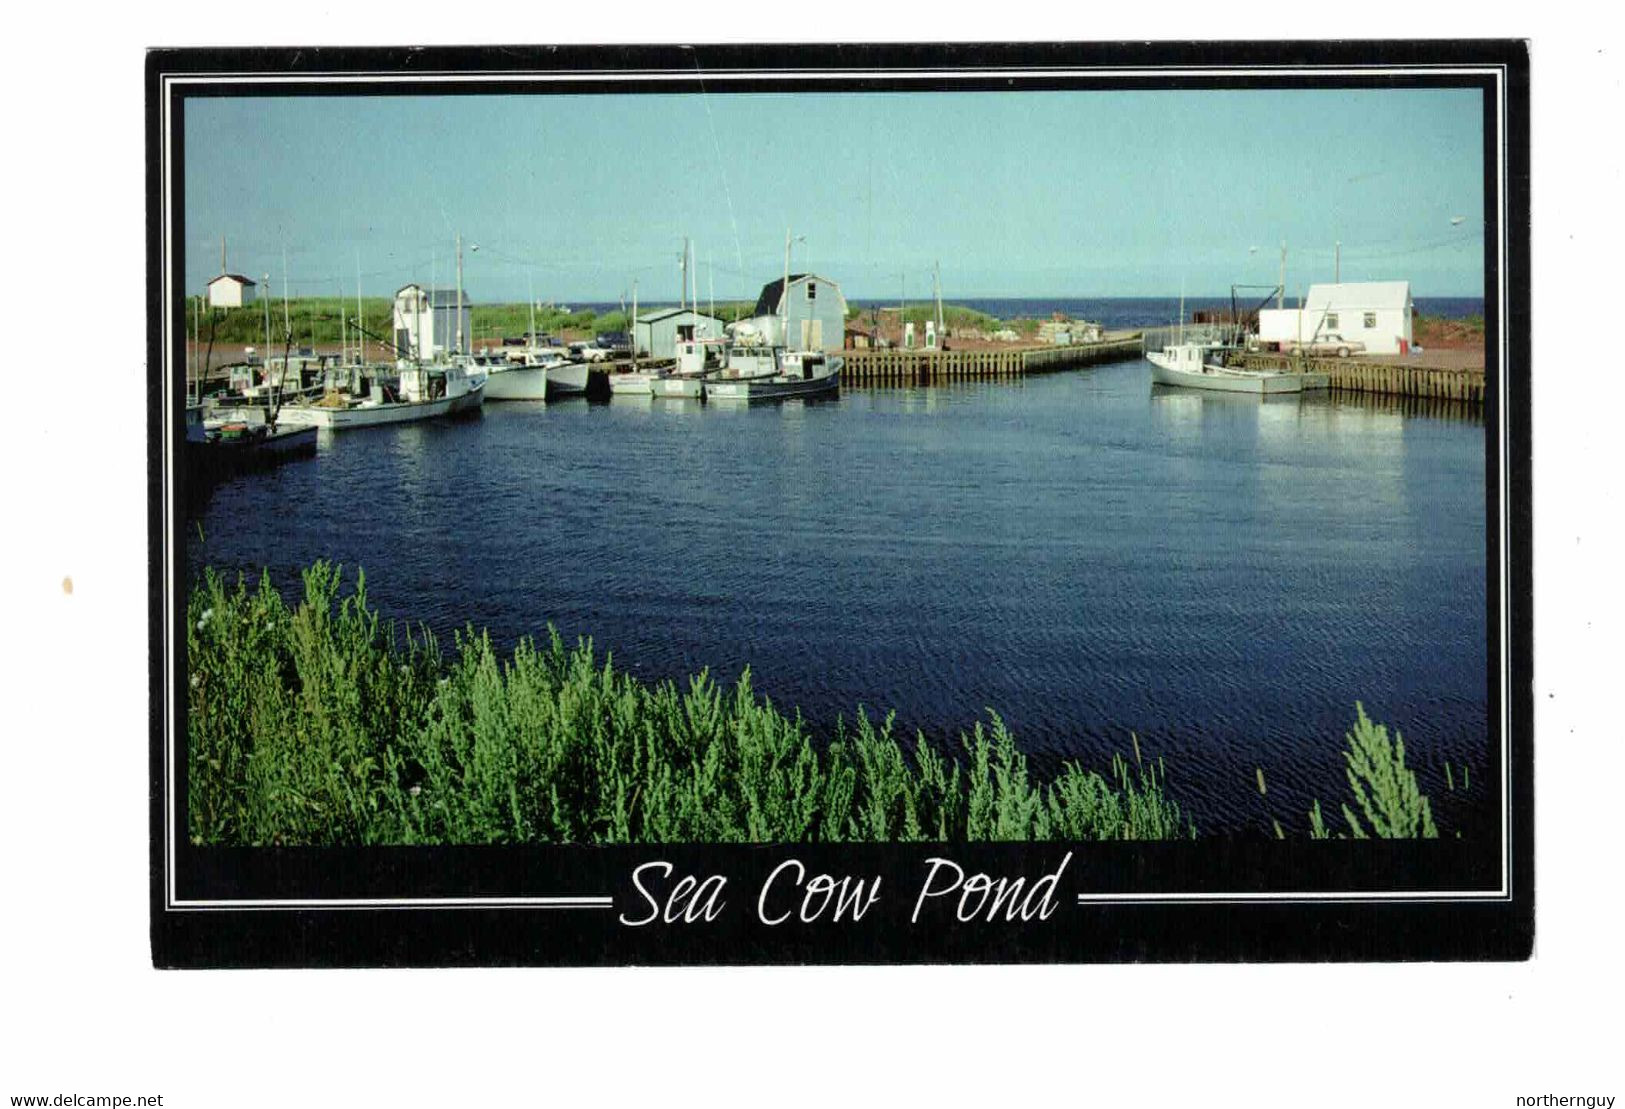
point(1015, 193)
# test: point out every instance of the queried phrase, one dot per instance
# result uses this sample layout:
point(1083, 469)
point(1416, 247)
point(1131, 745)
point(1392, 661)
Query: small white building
point(426, 322)
point(658, 332)
point(231, 290)
point(815, 313)
point(1376, 313)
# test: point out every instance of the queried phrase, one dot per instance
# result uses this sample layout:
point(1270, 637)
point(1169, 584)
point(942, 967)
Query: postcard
point(840, 504)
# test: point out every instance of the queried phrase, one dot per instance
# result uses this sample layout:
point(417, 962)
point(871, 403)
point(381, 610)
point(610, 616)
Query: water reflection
point(1223, 575)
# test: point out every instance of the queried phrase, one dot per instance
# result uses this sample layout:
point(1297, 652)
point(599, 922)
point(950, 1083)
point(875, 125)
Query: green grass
point(316, 320)
point(321, 724)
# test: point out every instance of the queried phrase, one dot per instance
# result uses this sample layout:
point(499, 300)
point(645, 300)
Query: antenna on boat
point(360, 323)
point(634, 325)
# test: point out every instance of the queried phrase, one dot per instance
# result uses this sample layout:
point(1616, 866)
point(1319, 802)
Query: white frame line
point(168, 82)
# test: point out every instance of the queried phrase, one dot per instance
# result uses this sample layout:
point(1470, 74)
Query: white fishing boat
point(567, 379)
point(1200, 366)
point(515, 377)
point(772, 373)
point(635, 383)
point(698, 360)
point(424, 392)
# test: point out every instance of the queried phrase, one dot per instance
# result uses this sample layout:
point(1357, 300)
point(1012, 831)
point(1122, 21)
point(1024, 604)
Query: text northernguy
point(790, 894)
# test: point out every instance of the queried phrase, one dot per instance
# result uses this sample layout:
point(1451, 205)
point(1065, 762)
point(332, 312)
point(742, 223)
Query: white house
point(426, 322)
point(231, 290)
point(1376, 313)
point(657, 333)
point(815, 313)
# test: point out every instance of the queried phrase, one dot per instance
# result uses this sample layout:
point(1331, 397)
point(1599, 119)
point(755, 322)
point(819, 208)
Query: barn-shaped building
point(426, 322)
point(814, 313)
point(231, 290)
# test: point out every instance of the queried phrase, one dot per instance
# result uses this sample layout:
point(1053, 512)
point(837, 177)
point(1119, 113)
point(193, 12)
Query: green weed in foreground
point(318, 724)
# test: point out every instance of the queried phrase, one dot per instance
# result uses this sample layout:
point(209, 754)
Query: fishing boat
point(566, 378)
point(697, 361)
point(423, 392)
point(1200, 366)
point(773, 373)
point(218, 448)
point(635, 383)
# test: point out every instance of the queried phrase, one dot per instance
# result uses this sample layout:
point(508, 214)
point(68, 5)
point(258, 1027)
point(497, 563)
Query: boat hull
point(378, 415)
point(745, 389)
point(1258, 382)
point(635, 384)
point(213, 458)
point(678, 388)
point(569, 380)
point(518, 383)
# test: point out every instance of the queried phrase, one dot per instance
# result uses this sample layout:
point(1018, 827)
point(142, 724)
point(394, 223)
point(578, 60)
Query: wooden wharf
point(1365, 375)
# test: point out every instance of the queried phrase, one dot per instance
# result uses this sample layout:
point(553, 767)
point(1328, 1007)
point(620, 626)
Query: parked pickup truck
point(1330, 343)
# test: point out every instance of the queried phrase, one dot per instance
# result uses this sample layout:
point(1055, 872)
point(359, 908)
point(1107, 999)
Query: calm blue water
point(1082, 553)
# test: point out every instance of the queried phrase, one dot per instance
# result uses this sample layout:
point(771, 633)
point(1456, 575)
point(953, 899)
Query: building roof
point(666, 313)
point(438, 298)
point(1357, 295)
point(767, 304)
point(237, 277)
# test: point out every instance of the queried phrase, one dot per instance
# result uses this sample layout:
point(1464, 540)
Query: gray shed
point(658, 332)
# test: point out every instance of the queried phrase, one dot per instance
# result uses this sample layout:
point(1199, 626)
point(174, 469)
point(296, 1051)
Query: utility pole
point(784, 294)
point(1280, 297)
point(460, 349)
point(1338, 271)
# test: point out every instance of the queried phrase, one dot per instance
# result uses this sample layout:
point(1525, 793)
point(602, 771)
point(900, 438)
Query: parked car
point(1330, 343)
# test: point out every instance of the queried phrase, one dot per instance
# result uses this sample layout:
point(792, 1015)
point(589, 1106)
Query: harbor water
point(1085, 554)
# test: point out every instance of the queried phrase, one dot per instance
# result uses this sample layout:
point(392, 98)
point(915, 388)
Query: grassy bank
point(316, 320)
point(319, 724)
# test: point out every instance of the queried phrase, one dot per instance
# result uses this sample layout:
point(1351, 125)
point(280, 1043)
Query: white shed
point(1376, 313)
point(657, 333)
point(426, 322)
point(231, 290)
point(815, 313)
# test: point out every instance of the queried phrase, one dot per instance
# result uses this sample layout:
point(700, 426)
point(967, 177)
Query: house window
point(1370, 320)
point(812, 290)
point(1331, 320)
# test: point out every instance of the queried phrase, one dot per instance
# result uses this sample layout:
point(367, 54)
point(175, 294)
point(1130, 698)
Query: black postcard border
point(1217, 900)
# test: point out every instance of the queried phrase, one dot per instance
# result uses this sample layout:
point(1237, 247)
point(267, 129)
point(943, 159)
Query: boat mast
point(530, 289)
point(360, 324)
point(784, 295)
point(265, 359)
point(634, 325)
point(460, 349)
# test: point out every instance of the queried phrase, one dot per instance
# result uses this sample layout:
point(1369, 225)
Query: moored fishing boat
point(775, 374)
point(217, 448)
point(697, 361)
point(424, 392)
point(1198, 366)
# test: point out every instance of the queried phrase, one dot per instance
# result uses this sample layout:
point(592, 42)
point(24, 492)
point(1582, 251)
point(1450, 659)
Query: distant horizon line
point(881, 301)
